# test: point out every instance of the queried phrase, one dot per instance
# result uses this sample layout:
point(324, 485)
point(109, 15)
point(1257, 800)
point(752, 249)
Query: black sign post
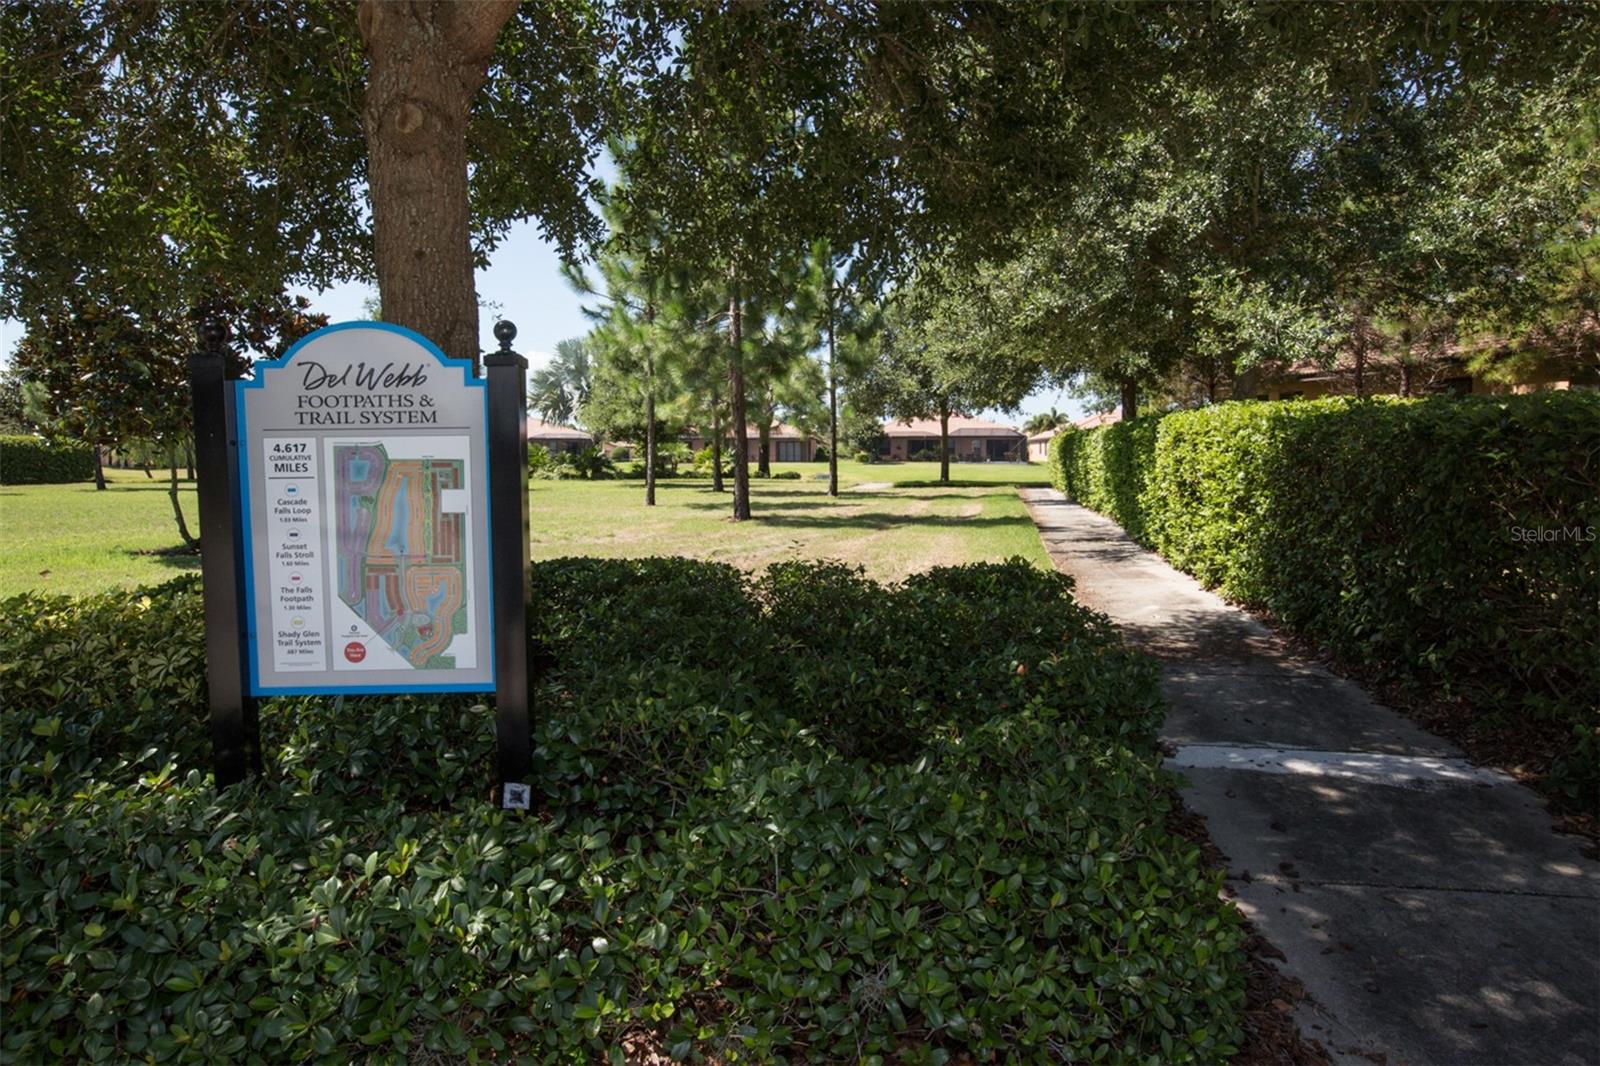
point(235, 729)
point(508, 538)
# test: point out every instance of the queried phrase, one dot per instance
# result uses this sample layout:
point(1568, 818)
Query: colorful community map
point(401, 553)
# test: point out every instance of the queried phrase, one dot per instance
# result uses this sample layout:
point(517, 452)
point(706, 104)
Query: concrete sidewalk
point(1428, 906)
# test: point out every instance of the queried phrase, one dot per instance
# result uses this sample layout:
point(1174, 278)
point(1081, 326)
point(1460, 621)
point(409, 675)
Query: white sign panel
point(366, 522)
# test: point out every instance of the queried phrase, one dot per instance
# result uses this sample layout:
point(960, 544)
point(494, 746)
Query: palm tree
point(559, 390)
point(1043, 421)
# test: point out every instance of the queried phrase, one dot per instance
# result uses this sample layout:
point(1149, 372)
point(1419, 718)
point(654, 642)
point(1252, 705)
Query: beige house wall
point(556, 445)
point(962, 449)
point(782, 448)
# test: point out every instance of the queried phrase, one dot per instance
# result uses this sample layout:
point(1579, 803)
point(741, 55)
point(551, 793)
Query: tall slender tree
point(631, 336)
point(783, 332)
point(848, 309)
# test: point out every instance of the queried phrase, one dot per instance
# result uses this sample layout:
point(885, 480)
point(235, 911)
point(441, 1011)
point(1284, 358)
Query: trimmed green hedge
point(801, 816)
point(1452, 542)
point(32, 461)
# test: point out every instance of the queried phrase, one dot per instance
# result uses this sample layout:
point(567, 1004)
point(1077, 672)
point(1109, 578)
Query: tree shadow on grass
point(759, 504)
point(159, 486)
point(882, 520)
point(174, 557)
point(1015, 483)
point(807, 500)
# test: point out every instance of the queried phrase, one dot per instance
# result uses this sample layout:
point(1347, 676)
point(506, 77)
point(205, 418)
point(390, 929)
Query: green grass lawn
point(892, 519)
point(70, 538)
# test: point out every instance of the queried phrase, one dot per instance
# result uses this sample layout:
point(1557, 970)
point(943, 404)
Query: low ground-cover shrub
point(754, 841)
point(31, 461)
point(1454, 543)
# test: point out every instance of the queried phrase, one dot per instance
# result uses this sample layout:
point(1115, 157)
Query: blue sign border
point(246, 532)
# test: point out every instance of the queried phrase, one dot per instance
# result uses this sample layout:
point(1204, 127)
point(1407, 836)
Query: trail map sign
point(364, 529)
point(365, 517)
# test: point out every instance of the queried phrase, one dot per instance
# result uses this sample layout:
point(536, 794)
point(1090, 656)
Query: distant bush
point(672, 459)
point(703, 460)
point(671, 456)
point(31, 461)
point(821, 455)
point(621, 454)
point(786, 475)
point(591, 464)
point(538, 457)
point(866, 457)
point(799, 817)
point(926, 455)
point(1403, 535)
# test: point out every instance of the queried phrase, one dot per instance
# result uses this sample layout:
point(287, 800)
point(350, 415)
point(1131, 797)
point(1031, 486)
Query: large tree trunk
point(833, 397)
point(99, 469)
point(944, 443)
point(650, 443)
point(177, 508)
point(427, 59)
point(741, 429)
point(1130, 400)
point(764, 444)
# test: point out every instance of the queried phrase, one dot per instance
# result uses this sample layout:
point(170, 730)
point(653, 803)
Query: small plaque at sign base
point(515, 797)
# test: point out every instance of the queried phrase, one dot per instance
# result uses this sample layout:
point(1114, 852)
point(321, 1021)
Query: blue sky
point(523, 282)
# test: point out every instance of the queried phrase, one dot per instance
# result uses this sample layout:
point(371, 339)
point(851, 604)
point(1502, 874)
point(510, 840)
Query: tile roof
point(1104, 418)
point(780, 431)
point(960, 426)
point(538, 429)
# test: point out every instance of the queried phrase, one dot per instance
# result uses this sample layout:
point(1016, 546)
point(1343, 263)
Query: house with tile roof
point(556, 439)
point(971, 440)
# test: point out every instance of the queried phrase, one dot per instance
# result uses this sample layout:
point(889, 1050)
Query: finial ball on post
point(505, 332)
point(213, 334)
